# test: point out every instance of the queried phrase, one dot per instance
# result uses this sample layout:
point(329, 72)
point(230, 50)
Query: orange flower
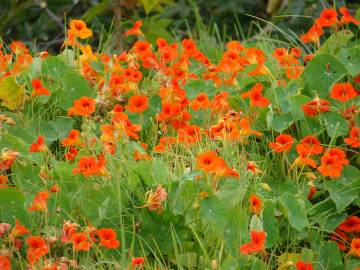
point(313, 35)
point(346, 17)
point(4, 181)
point(256, 97)
point(38, 146)
point(255, 204)
point(36, 248)
point(138, 104)
point(40, 202)
point(142, 47)
point(282, 143)
point(201, 101)
point(354, 139)
point(309, 146)
point(343, 92)
point(83, 106)
point(71, 154)
point(355, 247)
point(5, 263)
point(207, 161)
point(67, 231)
point(256, 244)
point(316, 106)
point(80, 242)
point(17, 47)
point(39, 90)
point(79, 29)
point(328, 17)
point(108, 238)
point(350, 225)
point(304, 161)
point(73, 139)
point(135, 30)
point(18, 230)
point(332, 163)
point(189, 134)
point(137, 261)
point(89, 166)
point(155, 199)
point(7, 158)
point(304, 266)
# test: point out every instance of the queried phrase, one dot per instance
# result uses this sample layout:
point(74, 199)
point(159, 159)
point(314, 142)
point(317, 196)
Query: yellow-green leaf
point(11, 94)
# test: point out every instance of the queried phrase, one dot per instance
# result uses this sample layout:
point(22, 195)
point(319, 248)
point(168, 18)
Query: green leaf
point(350, 57)
point(330, 257)
point(322, 72)
point(342, 193)
point(336, 125)
point(281, 121)
point(215, 213)
point(271, 225)
point(54, 67)
point(74, 87)
point(96, 10)
point(57, 128)
point(295, 106)
point(336, 41)
point(11, 205)
point(11, 94)
point(293, 211)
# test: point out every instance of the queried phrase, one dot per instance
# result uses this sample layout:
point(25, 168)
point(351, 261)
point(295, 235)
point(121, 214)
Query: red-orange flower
point(304, 266)
point(137, 261)
point(79, 29)
point(40, 202)
point(5, 263)
point(207, 161)
point(316, 106)
point(354, 139)
point(255, 204)
point(343, 92)
point(18, 230)
point(80, 241)
point(83, 106)
point(328, 17)
point(256, 244)
point(89, 166)
point(346, 17)
point(108, 238)
point(155, 199)
point(282, 143)
point(138, 104)
point(350, 225)
point(39, 145)
point(39, 90)
point(355, 247)
point(332, 163)
point(256, 97)
point(135, 30)
point(36, 248)
point(67, 231)
point(201, 101)
point(73, 139)
point(309, 146)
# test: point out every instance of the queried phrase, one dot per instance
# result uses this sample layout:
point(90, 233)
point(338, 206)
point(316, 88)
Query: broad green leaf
point(293, 211)
point(322, 72)
point(350, 57)
point(57, 128)
point(336, 125)
point(336, 41)
point(271, 225)
point(215, 213)
point(330, 257)
point(11, 94)
point(281, 121)
point(54, 68)
point(295, 106)
point(74, 87)
point(344, 193)
point(11, 205)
